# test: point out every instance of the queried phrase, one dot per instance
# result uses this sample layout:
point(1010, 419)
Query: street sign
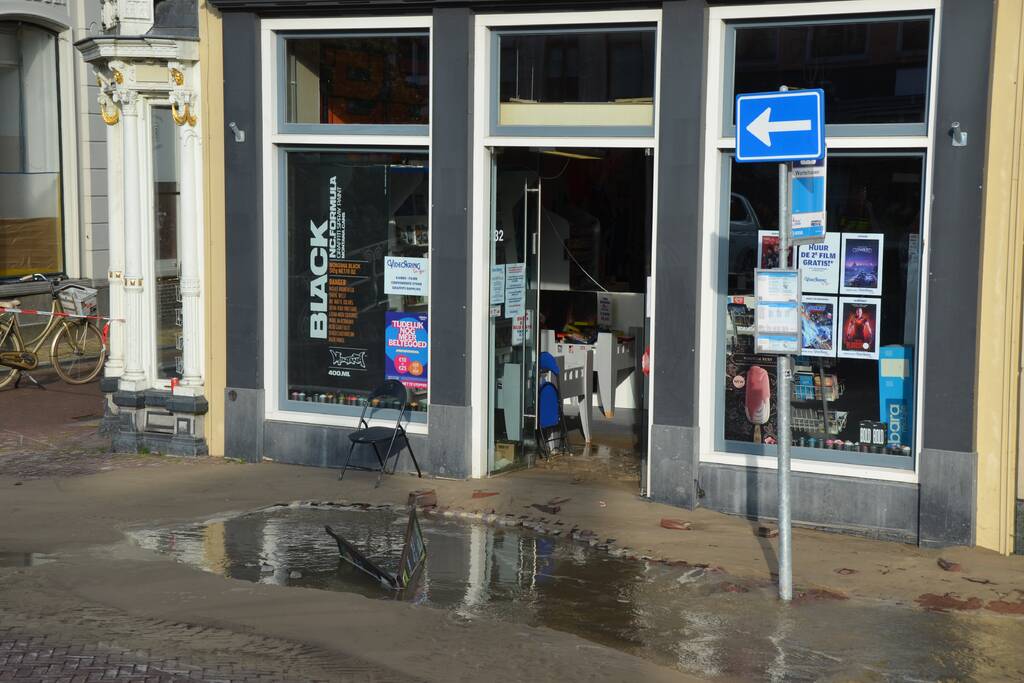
point(780, 126)
point(777, 311)
point(807, 202)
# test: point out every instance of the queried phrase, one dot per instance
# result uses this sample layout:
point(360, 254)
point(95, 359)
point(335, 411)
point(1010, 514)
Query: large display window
point(356, 276)
point(855, 384)
point(31, 215)
point(350, 236)
point(853, 388)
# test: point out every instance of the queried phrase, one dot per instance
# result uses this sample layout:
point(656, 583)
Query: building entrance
point(568, 324)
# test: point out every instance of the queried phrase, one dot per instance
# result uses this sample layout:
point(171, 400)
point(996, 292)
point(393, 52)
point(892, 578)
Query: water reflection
point(677, 616)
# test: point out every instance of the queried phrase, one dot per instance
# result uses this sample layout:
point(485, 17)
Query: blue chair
point(550, 420)
point(392, 391)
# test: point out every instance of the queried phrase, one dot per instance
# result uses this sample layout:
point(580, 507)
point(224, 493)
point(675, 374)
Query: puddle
point(23, 559)
point(700, 622)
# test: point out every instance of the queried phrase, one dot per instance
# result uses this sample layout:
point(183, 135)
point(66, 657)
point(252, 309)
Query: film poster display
point(860, 321)
point(862, 264)
point(768, 250)
point(336, 301)
point(818, 318)
point(819, 265)
point(750, 395)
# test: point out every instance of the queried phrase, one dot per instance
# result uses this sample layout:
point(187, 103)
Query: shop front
point(472, 198)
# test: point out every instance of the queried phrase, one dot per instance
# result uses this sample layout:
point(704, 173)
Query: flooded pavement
point(8, 559)
point(697, 620)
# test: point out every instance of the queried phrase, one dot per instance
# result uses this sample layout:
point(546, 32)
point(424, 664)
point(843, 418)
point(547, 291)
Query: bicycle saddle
point(10, 303)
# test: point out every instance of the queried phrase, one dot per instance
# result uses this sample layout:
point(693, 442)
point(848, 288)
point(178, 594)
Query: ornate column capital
point(118, 94)
point(182, 97)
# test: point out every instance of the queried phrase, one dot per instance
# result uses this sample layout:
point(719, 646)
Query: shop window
point(356, 278)
point(872, 72)
point(577, 78)
point(368, 79)
point(166, 174)
point(31, 231)
point(853, 391)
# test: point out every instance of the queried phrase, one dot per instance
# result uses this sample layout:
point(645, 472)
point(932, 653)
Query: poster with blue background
point(406, 348)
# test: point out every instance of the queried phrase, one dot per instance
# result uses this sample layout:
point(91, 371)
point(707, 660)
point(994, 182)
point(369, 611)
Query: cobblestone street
point(38, 658)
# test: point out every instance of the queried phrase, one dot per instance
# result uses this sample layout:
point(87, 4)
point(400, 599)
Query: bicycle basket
point(77, 300)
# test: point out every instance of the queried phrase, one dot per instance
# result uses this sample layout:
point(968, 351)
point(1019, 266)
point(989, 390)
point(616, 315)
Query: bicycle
point(77, 351)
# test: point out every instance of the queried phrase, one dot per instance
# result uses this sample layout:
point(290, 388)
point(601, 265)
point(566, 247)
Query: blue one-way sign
point(780, 126)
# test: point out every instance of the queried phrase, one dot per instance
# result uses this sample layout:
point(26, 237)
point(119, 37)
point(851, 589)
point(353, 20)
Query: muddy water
point(698, 621)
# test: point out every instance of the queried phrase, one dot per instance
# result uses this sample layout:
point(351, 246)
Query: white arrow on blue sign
point(780, 126)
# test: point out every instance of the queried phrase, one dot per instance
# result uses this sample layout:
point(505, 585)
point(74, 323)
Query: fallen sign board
point(414, 554)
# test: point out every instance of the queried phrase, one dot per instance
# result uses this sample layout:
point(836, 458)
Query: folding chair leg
point(413, 456)
point(351, 445)
point(383, 464)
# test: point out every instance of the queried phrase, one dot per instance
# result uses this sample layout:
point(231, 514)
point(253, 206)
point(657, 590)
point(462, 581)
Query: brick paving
point(137, 651)
point(41, 659)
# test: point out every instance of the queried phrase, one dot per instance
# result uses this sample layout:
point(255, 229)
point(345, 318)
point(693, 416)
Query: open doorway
point(570, 267)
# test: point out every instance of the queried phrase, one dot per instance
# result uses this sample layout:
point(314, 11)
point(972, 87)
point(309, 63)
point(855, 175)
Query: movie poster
point(862, 264)
point(818, 322)
point(859, 320)
point(750, 398)
point(337, 235)
point(768, 250)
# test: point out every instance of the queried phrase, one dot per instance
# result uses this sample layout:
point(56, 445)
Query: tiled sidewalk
point(42, 660)
point(37, 658)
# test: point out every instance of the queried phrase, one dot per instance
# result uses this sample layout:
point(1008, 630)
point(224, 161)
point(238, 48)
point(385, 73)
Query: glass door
point(514, 298)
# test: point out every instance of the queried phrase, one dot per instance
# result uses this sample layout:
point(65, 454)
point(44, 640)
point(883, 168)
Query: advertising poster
point(862, 264)
point(768, 249)
point(406, 275)
point(819, 265)
point(750, 398)
point(515, 289)
point(406, 348)
point(497, 285)
point(807, 201)
point(860, 327)
point(818, 322)
point(522, 326)
point(335, 310)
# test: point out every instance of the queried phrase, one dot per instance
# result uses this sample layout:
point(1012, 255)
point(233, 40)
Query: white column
point(134, 375)
point(188, 256)
point(115, 237)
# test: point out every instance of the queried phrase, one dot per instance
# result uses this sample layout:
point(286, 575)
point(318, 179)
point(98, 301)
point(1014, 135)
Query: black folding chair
point(391, 391)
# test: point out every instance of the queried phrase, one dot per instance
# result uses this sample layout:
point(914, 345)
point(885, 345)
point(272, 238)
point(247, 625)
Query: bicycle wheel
point(78, 352)
point(10, 343)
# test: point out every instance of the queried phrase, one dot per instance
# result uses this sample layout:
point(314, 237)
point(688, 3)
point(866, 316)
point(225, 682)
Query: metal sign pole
point(783, 127)
point(783, 435)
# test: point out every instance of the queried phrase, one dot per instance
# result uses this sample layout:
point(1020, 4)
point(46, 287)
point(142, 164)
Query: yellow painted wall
point(212, 110)
point(998, 417)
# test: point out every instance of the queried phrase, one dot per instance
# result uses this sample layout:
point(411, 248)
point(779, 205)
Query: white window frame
point(273, 144)
point(68, 130)
point(718, 145)
point(483, 142)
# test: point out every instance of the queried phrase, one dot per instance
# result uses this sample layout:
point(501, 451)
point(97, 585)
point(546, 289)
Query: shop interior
point(570, 266)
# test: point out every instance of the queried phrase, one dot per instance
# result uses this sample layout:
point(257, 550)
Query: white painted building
point(145, 58)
